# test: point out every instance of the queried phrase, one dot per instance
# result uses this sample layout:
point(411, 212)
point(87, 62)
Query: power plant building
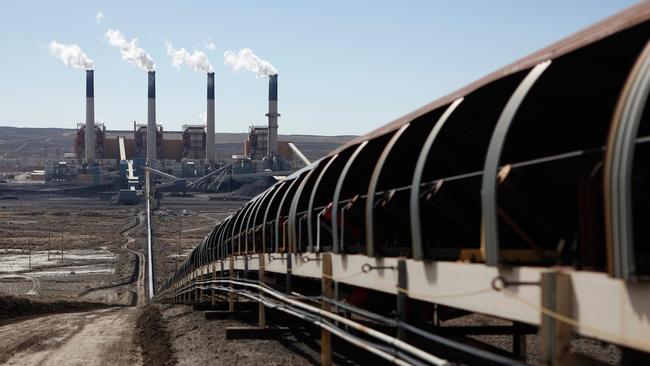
point(170, 145)
point(257, 142)
point(194, 142)
point(97, 142)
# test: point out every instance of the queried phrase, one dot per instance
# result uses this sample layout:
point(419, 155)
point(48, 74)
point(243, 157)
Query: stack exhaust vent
point(209, 141)
point(273, 115)
point(151, 120)
point(90, 118)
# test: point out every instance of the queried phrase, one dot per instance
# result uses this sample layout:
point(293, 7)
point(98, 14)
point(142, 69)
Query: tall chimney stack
point(209, 141)
point(273, 115)
point(90, 118)
point(151, 120)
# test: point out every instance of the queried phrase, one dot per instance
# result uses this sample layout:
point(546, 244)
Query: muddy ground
point(58, 247)
point(77, 311)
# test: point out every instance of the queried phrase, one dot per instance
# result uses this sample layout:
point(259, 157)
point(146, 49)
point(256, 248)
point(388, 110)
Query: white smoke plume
point(71, 55)
point(130, 50)
point(245, 59)
point(209, 45)
point(197, 61)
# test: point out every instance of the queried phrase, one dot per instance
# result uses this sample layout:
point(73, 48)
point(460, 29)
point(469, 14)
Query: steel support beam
point(619, 163)
point(489, 201)
point(371, 245)
point(416, 224)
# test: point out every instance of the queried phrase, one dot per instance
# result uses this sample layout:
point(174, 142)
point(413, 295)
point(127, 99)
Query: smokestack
point(151, 120)
point(209, 141)
point(90, 118)
point(273, 115)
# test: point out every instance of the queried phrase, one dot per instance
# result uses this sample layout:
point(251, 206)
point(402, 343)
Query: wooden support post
point(519, 343)
point(245, 265)
point(557, 296)
point(214, 278)
point(289, 269)
point(328, 292)
point(402, 295)
point(201, 289)
point(231, 296)
point(261, 310)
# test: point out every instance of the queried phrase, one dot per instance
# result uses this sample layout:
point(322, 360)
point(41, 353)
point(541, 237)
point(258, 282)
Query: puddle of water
point(18, 260)
point(184, 254)
point(78, 270)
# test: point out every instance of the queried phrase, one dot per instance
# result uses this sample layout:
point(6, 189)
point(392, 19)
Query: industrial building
point(194, 142)
point(257, 142)
point(93, 142)
point(98, 142)
point(170, 145)
point(173, 154)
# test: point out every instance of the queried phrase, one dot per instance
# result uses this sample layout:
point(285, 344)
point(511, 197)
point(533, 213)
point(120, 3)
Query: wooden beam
point(231, 304)
point(556, 335)
point(213, 298)
point(328, 292)
point(261, 310)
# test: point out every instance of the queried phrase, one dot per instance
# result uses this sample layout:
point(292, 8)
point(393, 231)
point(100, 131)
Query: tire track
point(139, 275)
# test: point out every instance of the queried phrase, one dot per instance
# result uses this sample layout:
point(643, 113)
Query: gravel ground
point(200, 217)
point(199, 342)
point(607, 354)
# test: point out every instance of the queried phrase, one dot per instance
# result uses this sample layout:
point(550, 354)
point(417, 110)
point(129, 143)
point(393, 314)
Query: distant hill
point(30, 142)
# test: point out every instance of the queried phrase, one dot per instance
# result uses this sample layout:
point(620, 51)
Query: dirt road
point(137, 284)
point(99, 337)
point(140, 285)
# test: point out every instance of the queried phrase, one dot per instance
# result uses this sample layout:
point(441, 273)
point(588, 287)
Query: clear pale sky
point(345, 67)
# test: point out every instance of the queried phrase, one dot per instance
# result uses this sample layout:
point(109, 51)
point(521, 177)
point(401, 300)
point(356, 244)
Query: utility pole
point(29, 254)
point(62, 246)
point(180, 231)
point(49, 240)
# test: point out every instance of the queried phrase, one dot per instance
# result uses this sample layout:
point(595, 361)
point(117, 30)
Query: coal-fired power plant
point(187, 153)
point(273, 115)
point(209, 146)
point(151, 119)
point(90, 118)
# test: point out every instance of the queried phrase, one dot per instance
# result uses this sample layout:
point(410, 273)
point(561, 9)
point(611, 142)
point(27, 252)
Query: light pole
point(62, 246)
point(49, 240)
point(29, 254)
point(180, 231)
